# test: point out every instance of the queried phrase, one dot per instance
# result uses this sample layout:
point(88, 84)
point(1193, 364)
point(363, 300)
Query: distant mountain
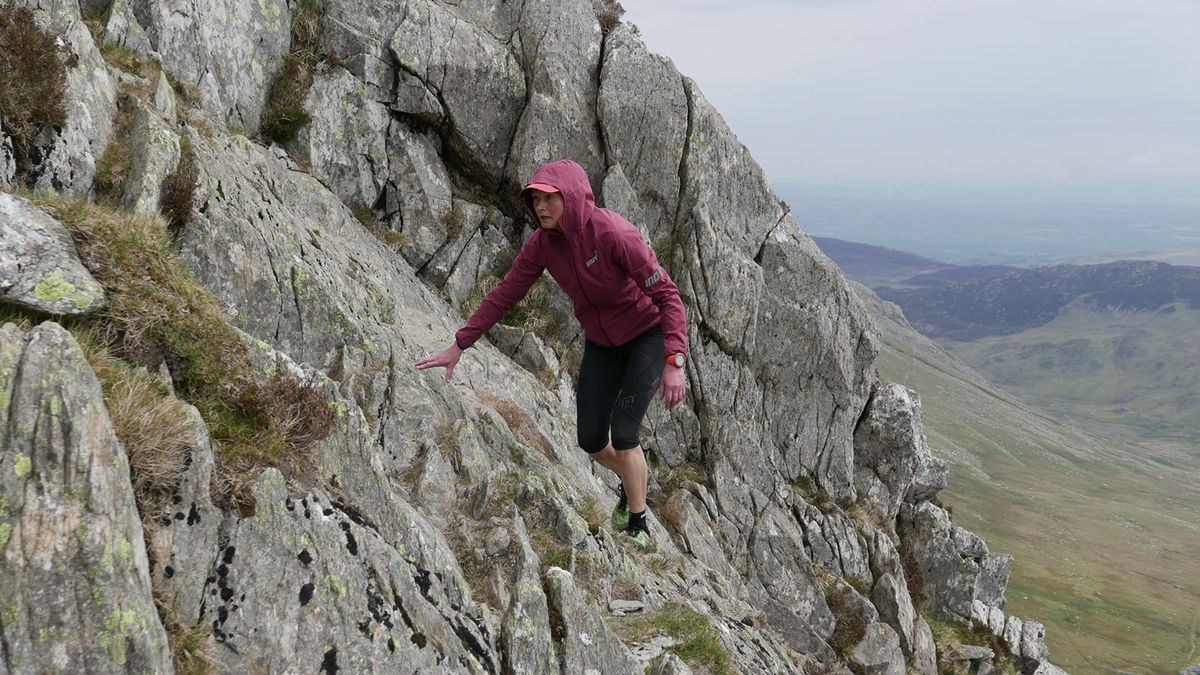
point(881, 266)
point(1011, 302)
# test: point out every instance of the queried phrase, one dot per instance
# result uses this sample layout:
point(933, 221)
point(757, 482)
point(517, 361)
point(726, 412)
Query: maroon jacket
point(602, 263)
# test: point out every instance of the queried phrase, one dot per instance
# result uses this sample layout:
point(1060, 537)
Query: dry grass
point(850, 627)
point(392, 239)
point(609, 13)
point(179, 188)
point(130, 61)
point(32, 82)
point(520, 424)
point(284, 114)
point(157, 313)
point(113, 166)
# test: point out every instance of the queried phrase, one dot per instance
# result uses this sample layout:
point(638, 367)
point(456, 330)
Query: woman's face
point(549, 208)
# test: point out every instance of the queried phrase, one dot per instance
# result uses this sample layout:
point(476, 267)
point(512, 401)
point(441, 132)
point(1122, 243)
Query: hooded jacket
point(600, 260)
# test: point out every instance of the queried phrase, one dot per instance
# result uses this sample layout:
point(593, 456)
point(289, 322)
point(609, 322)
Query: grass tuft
point(33, 83)
point(609, 13)
point(697, 641)
point(179, 188)
point(157, 313)
point(284, 114)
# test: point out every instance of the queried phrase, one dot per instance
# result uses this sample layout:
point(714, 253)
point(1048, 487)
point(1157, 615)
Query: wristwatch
point(676, 360)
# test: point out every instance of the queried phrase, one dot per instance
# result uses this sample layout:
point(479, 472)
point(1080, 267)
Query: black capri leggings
point(616, 385)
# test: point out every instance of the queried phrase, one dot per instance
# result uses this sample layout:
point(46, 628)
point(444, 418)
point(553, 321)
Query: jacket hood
point(572, 182)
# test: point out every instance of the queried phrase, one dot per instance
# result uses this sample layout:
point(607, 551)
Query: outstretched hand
point(447, 358)
point(674, 386)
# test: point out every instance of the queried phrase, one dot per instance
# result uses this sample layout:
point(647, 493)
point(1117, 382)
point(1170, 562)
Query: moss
point(130, 61)
point(22, 465)
point(5, 534)
point(284, 114)
point(697, 640)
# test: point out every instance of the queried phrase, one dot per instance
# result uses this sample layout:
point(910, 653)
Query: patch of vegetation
point(130, 61)
point(33, 83)
point(284, 114)
point(951, 637)
point(179, 188)
point(191, 646)
point(849, 627)
point(157, 313)
point(609, 13)
point(520, 423)
point(697, 640)
point(113, 166)
point(391, 238)
point(814, 494)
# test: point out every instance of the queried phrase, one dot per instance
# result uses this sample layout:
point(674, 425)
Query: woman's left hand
point(674, 385)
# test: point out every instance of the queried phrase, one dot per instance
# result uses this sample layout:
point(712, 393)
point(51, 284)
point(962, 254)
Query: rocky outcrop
point(39, 268)
point(229, 51)
point(892, 463)
point(74, 566)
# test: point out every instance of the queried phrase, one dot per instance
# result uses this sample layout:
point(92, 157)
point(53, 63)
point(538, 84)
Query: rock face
point(74, 564)
point(454, 526)
point(39, 268)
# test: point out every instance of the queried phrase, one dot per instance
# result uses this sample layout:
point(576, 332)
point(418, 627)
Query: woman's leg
point(630, 466)
point(643, 372)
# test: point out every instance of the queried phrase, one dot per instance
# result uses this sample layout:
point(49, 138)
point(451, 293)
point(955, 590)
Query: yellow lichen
point(54, 287)
point(22, 465)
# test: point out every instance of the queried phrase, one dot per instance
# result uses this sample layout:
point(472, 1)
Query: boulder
point(473, 75)
point(956, 564)
point(643, 109)
point(154, 154)
point(69, 154)
point(559, 119)
point(878, 652)
point(230, 50)
point(8, 161)
point(586, 641)
point(346, 141)
point(39, 267)
point(891, 598)
point(890, 452)
point(418, 201)
point(525, 632)
point(74, 564)
point(302, 585)
point(923, 658)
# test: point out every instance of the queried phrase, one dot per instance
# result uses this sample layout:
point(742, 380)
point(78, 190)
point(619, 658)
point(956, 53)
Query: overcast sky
point(852, 92)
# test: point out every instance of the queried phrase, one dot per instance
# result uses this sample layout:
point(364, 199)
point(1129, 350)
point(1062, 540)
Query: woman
point(632, 317)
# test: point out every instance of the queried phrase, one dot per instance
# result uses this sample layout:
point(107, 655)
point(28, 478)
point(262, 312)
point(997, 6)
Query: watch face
point(677, 360)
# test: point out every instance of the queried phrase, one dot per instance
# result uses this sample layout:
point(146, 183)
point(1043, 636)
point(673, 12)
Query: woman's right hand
point(447, 358)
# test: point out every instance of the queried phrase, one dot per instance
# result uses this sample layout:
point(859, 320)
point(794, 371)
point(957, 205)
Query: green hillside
point(1137, 373)
point(1106, 538)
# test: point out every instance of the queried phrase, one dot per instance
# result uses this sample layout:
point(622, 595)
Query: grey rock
point(668, 664)
point(358, 33)
point(418, 202)
point(643, 109)
point(70, 154)
point(497, 542)
point(123, 30)
point(1047, 668)
point(474, 75)
point(1012, 633)
point(229, 49)
point(78, 585)
point(833, 541)
point(39, 267)
point(474, 256)
point(526, 348)
point(525, 633)
point(972, 653)
point(353, 601)
point(695, 533)
point(783, 584)
point(153, 154)
point(995, 621)
point(890, 451)
point(626, 606)
point(923, 658)
point(878, 652)
point(184, 541)
point(346, 141)
point(164, 98)
point(559, 119)
point(895, 607)
point(1033, 642)
point(58, 12)
point(8, 162)
point(957, 564)
point(587, 642)
point(652, 649)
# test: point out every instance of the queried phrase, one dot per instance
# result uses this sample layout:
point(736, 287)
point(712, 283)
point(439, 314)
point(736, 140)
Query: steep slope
point(454, 525)
point(1103, 536)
